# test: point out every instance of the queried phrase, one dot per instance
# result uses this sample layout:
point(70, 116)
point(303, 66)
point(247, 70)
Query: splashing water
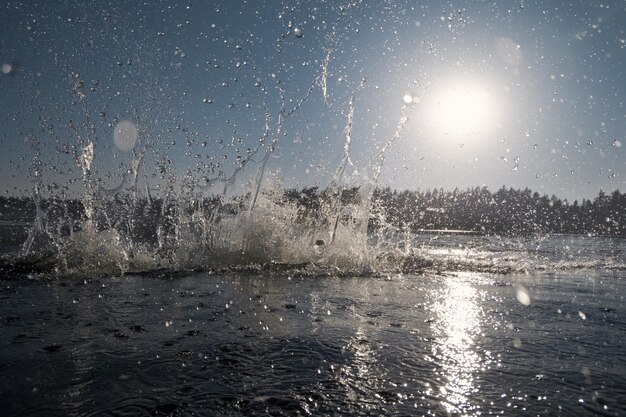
point(203, 213)
point(222, 202)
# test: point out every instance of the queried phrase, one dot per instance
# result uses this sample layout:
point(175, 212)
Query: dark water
point(199, 344)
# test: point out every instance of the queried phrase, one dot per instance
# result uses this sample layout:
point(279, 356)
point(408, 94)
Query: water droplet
point(319, 245)
point(125, 135)
point(207, 100)
point(522, 295)
point(617, 144)
point(298, 32)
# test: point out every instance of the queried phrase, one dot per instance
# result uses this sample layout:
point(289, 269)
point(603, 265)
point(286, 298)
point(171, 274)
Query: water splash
point(38, 229)
point(155, 212)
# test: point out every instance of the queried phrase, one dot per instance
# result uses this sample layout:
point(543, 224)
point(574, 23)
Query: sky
point(520, 94)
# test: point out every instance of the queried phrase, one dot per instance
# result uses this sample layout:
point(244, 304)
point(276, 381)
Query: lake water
point(488, 327)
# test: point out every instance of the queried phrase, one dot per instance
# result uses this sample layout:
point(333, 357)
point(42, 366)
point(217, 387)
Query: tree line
point(506, 211)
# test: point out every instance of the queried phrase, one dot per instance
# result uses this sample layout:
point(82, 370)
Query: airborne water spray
point(205, 223)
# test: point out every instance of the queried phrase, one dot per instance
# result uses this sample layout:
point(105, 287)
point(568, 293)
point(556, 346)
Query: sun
point(460, 110)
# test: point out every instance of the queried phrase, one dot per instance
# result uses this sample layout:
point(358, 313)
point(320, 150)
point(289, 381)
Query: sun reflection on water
point(459, 315)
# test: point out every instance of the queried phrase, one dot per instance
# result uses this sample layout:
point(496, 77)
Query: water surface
point(240, 344)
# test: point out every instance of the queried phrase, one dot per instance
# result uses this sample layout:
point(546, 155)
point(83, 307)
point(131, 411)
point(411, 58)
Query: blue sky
point(523, 94)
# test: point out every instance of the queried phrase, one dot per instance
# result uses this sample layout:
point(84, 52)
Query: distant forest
point(504, 212)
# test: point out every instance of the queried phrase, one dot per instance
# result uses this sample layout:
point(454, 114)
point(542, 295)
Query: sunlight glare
point(463, 110)
point(460, 317)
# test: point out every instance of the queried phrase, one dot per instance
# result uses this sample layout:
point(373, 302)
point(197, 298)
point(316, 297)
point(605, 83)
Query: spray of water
point(218, 217)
